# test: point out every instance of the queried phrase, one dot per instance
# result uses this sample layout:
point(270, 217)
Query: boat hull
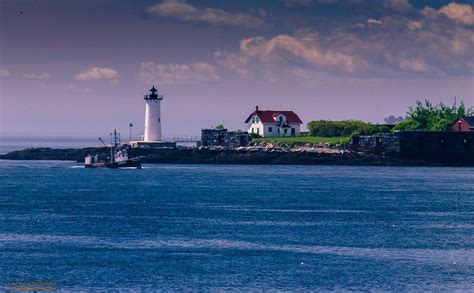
point(115, 165)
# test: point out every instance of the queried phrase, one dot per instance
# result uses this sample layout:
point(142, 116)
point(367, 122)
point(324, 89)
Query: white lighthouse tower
point(152, 135)
point(153, 116)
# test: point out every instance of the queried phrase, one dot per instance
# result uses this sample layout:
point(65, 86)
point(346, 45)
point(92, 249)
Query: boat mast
point(111, 147)
point(115, 140)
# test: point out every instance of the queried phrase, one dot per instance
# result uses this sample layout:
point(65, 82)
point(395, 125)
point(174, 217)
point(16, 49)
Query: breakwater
point(248, 155)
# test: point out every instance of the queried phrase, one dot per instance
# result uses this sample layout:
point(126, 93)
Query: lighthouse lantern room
point(153, 116)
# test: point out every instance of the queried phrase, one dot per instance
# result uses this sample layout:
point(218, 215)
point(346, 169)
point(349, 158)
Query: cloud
point(4, 72)
point(372, 22)
point(293, 3)
point(78, 89)
point(399, 5)
point(414, 64)
point(152, 73)
point(414, 25)
point(287, 49)
point(306, 3)
point(234, 62)
point(301, 73)
point(427, 44)
point(358, 25)
point(185, 12)
point(94, 73)
point(461, 13)
point(40, 76)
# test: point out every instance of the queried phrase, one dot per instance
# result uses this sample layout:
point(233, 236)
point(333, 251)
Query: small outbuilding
point(221, 137)
point(464, 123)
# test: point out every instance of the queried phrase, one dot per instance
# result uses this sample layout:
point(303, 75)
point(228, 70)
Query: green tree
point(426, 116)
point(220, 126)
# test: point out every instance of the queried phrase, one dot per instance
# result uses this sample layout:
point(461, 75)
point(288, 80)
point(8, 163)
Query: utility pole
point(130, 125)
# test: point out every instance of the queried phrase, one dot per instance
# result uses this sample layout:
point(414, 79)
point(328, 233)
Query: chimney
point(256, 108)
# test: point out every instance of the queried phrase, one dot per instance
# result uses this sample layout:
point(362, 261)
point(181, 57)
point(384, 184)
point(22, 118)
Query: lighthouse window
point(159, 120)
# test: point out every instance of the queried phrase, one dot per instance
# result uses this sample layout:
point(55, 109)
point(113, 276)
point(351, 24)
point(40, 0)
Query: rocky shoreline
point(253, 154)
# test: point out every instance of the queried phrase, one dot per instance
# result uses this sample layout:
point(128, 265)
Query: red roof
point(268, 116)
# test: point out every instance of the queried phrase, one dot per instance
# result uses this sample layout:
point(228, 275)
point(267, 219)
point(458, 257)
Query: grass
point(307, 139)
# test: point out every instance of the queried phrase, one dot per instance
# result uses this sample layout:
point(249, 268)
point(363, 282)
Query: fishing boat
point(118, 156)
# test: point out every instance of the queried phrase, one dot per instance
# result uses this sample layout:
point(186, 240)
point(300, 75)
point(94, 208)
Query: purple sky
point(82, 67)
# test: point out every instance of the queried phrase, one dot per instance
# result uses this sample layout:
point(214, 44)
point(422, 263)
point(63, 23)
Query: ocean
point(236, 228)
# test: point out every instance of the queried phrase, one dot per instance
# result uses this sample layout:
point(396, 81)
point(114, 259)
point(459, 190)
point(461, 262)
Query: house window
point(252, 129)
point(159, 120)
point(258, 130)
point(270, 129)
point(280, 119)
point(293, 131)
point(256, 120)
point(285, 131)
point(278, 130)
point(253, 119)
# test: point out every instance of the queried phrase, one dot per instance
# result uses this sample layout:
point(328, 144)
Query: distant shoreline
point(247, 156)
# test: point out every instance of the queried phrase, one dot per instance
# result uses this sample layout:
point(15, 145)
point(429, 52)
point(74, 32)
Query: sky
point(81, 68)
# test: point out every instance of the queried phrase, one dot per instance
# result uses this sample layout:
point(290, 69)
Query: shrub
point(254, 135)
point(326, 128)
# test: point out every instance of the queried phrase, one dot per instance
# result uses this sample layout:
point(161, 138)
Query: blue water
point(251, 228)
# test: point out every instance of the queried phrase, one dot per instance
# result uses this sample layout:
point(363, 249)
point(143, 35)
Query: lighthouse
point(152, 136)
point(153, 116)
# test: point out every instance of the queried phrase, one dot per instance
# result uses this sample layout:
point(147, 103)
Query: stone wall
point(380, 143)
point(222, 137)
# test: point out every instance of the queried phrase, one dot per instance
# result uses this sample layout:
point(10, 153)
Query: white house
point(271, 123)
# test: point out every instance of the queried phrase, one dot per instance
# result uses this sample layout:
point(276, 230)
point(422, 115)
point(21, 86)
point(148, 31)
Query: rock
point(304, 155)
